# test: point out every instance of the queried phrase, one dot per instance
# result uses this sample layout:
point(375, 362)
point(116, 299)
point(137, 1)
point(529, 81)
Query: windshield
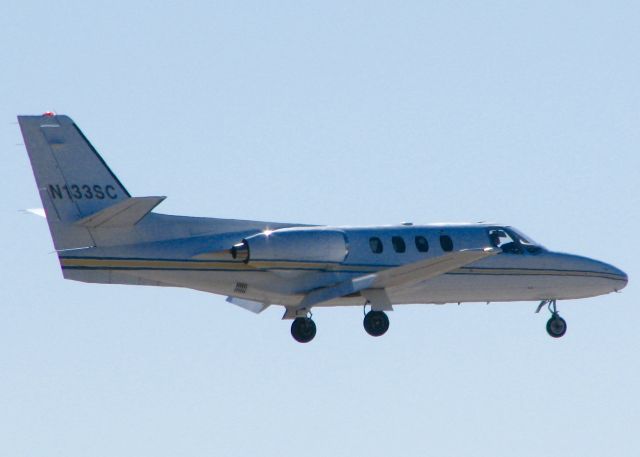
point(530, 245)
point(513, 241)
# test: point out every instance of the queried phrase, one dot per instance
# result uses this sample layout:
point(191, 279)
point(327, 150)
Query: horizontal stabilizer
point(126, 213)
point(35, 211)
point(249, 305)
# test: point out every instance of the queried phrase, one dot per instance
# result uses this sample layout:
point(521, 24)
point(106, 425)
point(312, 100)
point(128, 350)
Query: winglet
point(126, 213)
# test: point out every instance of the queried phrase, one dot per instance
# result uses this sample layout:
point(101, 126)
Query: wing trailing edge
point(250, 305)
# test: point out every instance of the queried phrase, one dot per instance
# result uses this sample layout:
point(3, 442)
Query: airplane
point(104, 235)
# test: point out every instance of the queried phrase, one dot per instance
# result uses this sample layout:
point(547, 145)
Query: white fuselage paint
point(532, 274)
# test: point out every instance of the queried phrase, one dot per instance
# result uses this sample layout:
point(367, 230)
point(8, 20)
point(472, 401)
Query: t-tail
point(77, 188)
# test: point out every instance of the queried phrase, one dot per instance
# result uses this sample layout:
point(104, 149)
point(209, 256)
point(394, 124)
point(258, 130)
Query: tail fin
point(73, 180)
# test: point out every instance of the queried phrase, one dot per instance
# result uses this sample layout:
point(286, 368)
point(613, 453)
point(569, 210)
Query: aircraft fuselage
point(519, 275)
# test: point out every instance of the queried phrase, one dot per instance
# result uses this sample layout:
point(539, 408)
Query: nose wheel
point(556, 326)
point(376, 323)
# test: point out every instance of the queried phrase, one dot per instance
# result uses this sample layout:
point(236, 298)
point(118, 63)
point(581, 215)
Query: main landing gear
point(303, 329)
point(556, 326)
point(376, 323)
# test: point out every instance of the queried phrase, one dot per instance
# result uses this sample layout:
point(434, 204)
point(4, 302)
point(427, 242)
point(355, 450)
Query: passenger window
point(501, 239)
point(398, 244)
point(446, 243)
point(422, 245)
point(375, 244)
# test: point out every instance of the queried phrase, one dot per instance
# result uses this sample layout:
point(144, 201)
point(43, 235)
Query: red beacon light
point(48, 114)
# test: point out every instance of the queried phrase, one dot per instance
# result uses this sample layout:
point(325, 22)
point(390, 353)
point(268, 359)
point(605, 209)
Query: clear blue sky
point(526, 113)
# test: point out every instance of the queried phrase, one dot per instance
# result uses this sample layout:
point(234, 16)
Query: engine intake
point(240, 251)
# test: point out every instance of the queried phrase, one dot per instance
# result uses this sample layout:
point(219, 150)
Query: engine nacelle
point(294, 244)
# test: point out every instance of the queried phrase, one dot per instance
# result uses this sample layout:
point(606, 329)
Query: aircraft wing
point(405, 275)
point(373, 285)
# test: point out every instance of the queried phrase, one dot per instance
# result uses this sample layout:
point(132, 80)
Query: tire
point(376, 323)
point(303, 329)
point(556, 326)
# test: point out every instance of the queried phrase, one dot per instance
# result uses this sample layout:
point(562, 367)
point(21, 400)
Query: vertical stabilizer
point(73, 180)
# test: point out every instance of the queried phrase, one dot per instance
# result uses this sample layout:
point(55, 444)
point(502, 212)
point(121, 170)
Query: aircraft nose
point(618, 275)
point(618, 278)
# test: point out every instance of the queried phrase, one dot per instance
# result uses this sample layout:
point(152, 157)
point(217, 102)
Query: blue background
point(525, 113)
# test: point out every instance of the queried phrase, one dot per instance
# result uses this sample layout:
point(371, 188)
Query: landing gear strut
point(303, 329)
point(556, 326)
point(376, 323)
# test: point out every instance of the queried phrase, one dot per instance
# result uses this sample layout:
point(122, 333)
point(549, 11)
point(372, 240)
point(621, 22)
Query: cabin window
point(446, 243)
point(376, 245)
point(422, 245)
point(398, 244)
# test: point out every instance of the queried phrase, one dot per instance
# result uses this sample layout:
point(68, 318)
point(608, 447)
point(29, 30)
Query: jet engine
point(293, 244)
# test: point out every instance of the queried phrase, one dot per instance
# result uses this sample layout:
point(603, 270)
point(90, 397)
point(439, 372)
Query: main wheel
point(303, 329)
point(556, 326)
point(376, 323)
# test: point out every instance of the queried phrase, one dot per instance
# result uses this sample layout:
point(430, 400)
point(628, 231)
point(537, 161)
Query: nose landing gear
point(556, 326)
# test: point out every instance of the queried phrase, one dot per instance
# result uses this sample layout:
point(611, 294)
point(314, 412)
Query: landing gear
point(303, 329)
point(376, 323)
point(556, 326)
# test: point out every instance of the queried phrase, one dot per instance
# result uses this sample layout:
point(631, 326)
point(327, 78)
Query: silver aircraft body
point(104, 235)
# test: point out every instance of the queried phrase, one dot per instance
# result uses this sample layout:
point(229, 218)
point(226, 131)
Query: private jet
point(104, 235)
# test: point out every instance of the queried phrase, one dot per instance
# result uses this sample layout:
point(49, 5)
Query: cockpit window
point(500, 238)
point(527, 243)
point(512, 241)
